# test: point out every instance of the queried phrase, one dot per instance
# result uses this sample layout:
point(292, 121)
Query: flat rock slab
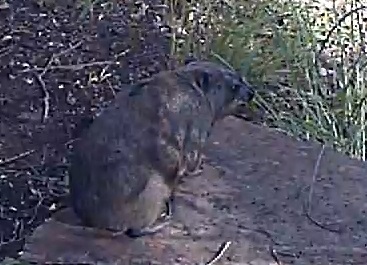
point(259, 191)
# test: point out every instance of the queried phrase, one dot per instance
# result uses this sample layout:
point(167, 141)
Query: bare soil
point(57, 68)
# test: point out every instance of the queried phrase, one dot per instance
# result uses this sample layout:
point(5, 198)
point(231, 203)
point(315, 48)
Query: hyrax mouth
point(240, 104)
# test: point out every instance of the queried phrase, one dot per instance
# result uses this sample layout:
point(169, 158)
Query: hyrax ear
point(202, 79)
point(190, 59)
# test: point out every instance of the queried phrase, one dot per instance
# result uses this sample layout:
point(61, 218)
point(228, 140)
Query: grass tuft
point(307, 59)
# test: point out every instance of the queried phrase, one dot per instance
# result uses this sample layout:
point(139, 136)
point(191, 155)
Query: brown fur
point(128, 163)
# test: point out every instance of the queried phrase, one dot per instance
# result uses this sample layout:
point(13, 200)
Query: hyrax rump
point(127, 163)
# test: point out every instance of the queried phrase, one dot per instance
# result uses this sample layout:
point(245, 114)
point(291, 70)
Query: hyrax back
point(126, 165)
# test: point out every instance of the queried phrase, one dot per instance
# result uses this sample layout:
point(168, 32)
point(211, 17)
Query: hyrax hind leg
point(150, 209)
point(161, 222)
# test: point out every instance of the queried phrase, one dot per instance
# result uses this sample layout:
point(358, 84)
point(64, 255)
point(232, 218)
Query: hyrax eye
point(236, 87)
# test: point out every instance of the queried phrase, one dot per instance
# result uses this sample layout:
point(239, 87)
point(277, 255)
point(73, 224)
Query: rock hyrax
point(127, 163)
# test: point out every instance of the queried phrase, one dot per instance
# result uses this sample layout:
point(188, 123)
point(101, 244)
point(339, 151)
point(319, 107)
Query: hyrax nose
point(246, 93)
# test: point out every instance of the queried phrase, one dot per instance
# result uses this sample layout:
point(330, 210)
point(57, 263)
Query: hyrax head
point(225, 89)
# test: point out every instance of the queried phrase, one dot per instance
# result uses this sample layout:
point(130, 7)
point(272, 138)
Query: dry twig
point(74, 67)
point(46, 94)
point(273, 252)
point(274, 255)
point(36, 208)
point(219, 253)
point(307, 205)
point(16, 157)
point(46, 97)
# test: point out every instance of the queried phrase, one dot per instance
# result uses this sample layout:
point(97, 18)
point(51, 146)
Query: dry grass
point(308, 61)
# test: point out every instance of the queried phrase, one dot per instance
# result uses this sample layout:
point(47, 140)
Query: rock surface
point(254, 192)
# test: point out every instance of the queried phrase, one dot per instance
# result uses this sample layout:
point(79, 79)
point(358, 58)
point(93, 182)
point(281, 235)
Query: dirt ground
point(57, 68)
